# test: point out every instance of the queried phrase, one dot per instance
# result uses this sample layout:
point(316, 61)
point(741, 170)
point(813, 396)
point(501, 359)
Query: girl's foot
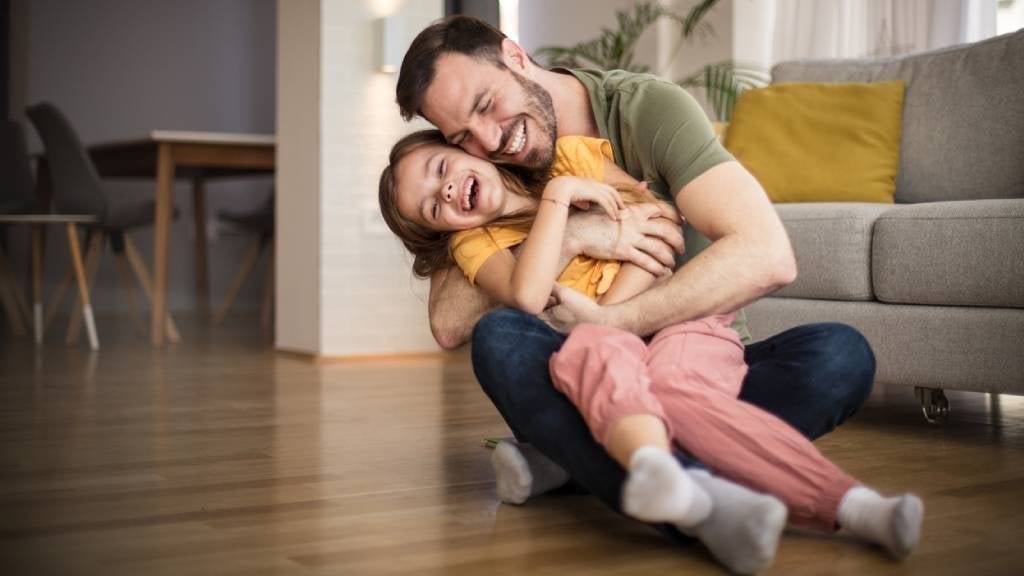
point(658, 489)
point(744, 527)
point(894, 523)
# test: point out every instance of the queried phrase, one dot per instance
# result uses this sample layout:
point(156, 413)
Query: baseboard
point(459, 355)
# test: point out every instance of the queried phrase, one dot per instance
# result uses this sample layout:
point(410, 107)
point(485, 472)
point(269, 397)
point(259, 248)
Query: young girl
point(636, 397)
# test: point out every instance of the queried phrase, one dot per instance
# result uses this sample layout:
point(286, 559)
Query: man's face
point(491, 112)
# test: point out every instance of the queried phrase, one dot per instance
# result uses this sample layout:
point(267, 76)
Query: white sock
point(744, 527)
point(521, 471)
point(658, 489)
point(892, 522)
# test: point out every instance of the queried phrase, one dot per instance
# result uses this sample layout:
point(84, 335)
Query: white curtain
point(871, 28)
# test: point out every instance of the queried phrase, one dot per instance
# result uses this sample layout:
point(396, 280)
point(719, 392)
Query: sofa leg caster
point(934, 404)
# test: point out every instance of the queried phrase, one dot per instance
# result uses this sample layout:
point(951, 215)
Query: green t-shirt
point(659, 135)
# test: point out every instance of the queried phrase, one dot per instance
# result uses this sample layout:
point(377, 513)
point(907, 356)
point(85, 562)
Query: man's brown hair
point(461, 34)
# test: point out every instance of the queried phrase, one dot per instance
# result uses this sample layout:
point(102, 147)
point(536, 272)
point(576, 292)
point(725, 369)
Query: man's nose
point(489, 136)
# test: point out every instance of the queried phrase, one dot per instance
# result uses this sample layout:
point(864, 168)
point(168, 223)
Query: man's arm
point(454, 307)
point(750, 256)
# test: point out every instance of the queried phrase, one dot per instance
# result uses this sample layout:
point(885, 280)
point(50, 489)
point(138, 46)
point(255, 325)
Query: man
point(487, 96)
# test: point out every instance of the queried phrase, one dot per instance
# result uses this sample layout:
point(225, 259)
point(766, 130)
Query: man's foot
point(894, 523)
point(522, 472)
point(658, 489)
point(744, 527)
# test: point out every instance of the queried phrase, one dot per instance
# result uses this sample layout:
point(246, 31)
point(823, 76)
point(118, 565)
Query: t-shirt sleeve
point(581, 156)
point(671, 129)
point(471, 248)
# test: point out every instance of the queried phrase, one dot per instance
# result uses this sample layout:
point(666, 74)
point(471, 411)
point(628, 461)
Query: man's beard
point(538, 102)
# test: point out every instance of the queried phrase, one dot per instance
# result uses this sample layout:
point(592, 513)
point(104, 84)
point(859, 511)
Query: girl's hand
point(580, 192)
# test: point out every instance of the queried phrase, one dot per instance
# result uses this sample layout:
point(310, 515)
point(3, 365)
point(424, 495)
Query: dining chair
point(18, 201)
point(260, 223)
point(77, 188)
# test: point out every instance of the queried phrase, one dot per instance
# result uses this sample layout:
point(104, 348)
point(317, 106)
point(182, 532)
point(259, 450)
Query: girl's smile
point(445, 189)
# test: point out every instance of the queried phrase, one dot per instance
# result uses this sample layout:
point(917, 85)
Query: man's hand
point(571, 308)
point(647, 235)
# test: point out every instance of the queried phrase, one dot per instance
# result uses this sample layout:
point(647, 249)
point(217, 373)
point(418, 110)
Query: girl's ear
point(513, 55)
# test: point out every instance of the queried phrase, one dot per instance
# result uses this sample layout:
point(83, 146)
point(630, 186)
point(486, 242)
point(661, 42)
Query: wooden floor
point(219, 456)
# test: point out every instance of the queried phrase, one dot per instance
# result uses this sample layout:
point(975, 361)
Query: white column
point(297, 235)
point(345, 285)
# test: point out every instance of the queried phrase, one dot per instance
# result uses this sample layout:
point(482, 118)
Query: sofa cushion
point(951, 253)
point(820, 142)
point(832, 243)
point(963, 116)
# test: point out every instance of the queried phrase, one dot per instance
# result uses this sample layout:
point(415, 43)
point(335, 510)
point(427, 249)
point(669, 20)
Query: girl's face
point(445, 189)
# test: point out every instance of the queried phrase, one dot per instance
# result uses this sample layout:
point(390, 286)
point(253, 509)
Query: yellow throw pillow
point(820, 142)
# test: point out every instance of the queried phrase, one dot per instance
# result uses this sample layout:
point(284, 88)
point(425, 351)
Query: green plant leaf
point(613, 49)
point(724, 82)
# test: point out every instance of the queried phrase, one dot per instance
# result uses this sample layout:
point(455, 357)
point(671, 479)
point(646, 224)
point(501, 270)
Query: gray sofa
point(935, 282)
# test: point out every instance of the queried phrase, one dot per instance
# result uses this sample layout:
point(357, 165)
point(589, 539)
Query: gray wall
point(120, 68)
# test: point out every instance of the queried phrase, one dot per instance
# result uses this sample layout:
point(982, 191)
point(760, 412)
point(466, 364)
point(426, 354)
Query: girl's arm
point(630, 281)
point(525, 281)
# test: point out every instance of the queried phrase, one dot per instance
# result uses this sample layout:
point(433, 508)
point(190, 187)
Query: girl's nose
point(449, 192)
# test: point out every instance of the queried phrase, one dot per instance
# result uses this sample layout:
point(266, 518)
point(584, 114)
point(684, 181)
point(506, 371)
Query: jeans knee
point(510, 346)
point(851, 364)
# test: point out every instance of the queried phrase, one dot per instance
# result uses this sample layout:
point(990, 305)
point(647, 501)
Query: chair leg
point(58, 296)
point(250, 260)
point(268, 292)
point(92, 264)
point(125, 275)
point(139, 267)
point(83, 284)
point(8, 289)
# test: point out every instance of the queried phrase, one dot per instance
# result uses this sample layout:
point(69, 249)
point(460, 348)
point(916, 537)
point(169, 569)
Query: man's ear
point(514, 56)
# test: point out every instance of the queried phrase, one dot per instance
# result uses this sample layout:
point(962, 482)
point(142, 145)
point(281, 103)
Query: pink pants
point(689, 377)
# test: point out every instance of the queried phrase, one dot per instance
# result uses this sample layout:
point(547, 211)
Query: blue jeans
point(814, 377)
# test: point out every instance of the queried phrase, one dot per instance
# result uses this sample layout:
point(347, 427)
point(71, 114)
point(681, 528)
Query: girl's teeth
point(466, 204)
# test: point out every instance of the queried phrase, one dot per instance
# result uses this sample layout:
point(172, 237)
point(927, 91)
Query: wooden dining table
point(198, 157)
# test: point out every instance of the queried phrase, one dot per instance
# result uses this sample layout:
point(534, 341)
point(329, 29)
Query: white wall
point(119, 69)
point(368, 301)
point(752, 22)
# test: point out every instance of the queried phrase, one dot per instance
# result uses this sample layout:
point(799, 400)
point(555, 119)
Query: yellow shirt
point(575, 156)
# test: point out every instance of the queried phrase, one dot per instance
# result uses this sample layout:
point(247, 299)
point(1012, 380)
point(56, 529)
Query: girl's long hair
point(430, 248)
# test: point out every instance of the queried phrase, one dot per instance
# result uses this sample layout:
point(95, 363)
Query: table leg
point(43, 200)
point(202, 268)
point(161, 241)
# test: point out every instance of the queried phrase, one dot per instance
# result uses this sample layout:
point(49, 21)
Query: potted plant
point(614, 48)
